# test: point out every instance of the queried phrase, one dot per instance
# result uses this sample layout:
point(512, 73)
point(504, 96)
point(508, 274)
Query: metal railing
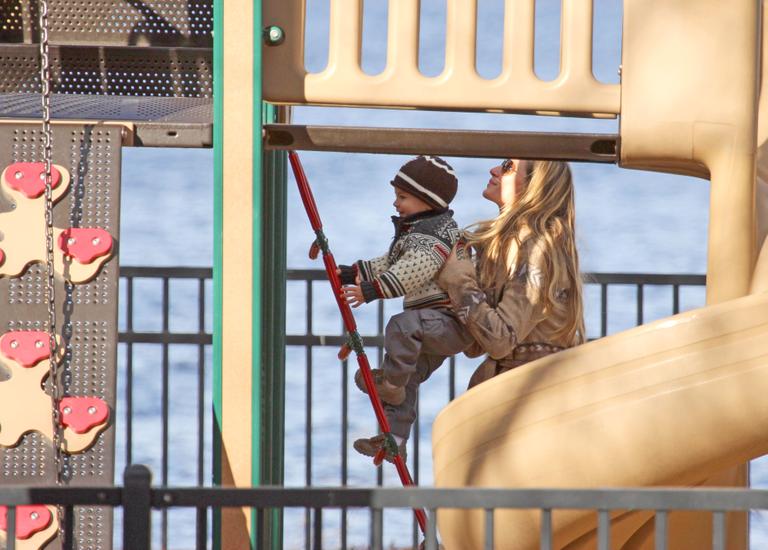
point(137, 498)
point(636, 294)
point(165, 310)
point(200, 339)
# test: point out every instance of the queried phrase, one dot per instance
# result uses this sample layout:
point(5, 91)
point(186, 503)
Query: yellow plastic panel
point(237, 382)
point(689, 104)
point(459, 86)
point(672, 402)
point(761, 190)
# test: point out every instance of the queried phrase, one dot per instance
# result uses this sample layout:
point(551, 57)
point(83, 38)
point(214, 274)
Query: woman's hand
point(353, 295)
point(460, 250)
point(458, 253)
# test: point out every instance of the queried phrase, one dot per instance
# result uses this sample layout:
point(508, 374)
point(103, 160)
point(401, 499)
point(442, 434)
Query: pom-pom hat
point(429, 178)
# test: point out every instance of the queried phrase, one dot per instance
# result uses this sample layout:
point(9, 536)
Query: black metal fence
point(137, 498)
point(166, 320)
point(150, 297)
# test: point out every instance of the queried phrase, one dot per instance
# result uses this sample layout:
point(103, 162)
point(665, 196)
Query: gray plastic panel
point(92, 155)
point(111, 22)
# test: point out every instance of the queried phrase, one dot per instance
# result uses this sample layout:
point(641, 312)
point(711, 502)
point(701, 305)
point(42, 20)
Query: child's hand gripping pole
point(355, 342)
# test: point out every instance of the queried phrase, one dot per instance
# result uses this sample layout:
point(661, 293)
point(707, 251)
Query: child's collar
point(420, 215)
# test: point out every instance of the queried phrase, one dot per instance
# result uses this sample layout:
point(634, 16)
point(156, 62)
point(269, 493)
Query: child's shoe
point(394, 395)
point(372, 445)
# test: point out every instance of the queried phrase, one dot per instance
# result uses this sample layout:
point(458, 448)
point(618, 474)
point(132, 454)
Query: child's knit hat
point(429, 178)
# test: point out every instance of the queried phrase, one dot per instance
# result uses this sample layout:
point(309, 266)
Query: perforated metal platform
point(132, 72)
point(111, 22)
point(148, 63)
point(92, 155)
point(132, 109)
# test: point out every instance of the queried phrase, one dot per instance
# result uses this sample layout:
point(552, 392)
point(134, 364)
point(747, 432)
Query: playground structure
point(685, 76)
point(709, 131)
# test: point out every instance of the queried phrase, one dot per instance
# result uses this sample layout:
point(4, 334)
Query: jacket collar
point(405, 222)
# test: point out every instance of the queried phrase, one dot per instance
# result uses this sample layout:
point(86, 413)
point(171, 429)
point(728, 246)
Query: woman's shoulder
point(533, 248)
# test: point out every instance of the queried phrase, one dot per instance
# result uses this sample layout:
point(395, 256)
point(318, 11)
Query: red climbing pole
point(355, 342)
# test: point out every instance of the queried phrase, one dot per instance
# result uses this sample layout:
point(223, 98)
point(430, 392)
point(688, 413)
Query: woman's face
point(506, 183)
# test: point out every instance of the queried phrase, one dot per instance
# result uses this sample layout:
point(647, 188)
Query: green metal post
point(260, 525)
point(274, 230)
point(218, 113)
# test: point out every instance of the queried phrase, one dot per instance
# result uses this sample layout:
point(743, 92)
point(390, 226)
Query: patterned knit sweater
point(419, 249)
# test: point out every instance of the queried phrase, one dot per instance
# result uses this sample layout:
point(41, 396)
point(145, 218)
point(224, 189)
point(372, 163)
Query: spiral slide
point(672, 402)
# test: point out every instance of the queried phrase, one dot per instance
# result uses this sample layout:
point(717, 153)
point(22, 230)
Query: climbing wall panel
point(86, 314)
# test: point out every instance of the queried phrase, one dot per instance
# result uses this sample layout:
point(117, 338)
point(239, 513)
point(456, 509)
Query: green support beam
point(218, 112)
point(274, 228)
point(261, 525)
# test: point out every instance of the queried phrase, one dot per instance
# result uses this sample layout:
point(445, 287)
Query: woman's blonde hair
point(542, 217)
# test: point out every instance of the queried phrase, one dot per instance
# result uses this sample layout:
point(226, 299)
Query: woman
point(521, 299)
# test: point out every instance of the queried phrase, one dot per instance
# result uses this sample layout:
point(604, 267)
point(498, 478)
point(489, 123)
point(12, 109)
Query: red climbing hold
point(82, 413)
point(29, 520)
point(26, 347)
point(85, 244)
point(2, 256)
point(29, 178)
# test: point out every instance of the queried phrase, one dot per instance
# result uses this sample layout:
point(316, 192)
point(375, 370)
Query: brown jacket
point(508, 323)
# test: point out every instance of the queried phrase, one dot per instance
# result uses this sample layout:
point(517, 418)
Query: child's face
point(407, 204)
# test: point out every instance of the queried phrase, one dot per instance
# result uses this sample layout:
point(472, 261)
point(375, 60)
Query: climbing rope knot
point(322, 242)
point(355, 342)
point(390, 445)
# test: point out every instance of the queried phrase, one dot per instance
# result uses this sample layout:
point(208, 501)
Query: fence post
point(137, 522)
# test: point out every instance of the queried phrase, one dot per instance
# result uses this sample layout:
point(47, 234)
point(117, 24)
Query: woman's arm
point(497, 329)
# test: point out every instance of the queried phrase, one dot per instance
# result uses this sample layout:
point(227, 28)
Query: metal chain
point(50, 296)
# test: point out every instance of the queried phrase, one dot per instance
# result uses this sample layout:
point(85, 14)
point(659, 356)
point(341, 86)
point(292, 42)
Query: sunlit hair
point(542, 217)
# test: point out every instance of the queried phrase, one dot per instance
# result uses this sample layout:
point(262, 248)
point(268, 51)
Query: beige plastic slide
point(678, 402)
point(669, 403)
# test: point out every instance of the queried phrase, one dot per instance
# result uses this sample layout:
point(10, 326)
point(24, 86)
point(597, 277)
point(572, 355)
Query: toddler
point(416, 341)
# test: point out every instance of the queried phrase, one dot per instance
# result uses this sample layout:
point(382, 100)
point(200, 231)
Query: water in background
point(627, 221)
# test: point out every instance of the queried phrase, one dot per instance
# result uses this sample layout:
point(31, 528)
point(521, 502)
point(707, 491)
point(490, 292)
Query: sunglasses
point(508, 166)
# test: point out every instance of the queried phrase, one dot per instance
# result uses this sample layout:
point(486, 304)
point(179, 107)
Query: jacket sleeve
point(368, 269)
point(496, 329)
point(348, 274)
point(418, 264)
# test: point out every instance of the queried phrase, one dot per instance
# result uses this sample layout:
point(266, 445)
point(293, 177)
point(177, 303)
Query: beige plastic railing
point(517, 88)
point(687, 100)
point(689, 95)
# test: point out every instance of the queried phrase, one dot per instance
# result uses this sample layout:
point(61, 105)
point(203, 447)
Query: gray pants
point(416, 342)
